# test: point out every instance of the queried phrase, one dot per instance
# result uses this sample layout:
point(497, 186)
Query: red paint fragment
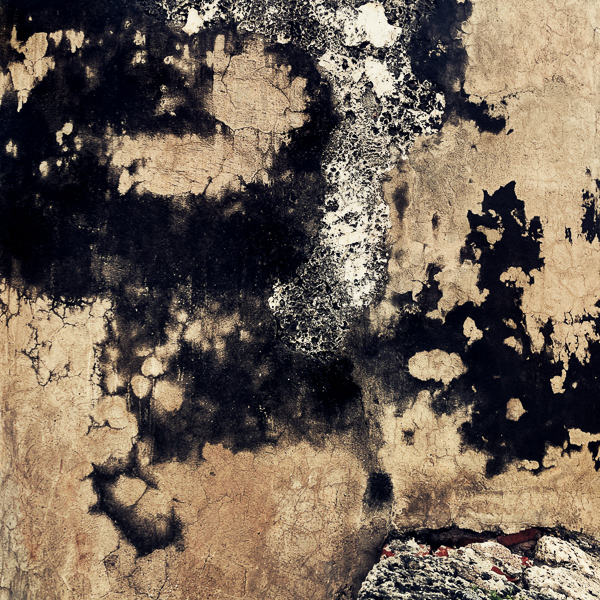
point(423, 550)
point(518, 538)
point(525, 561)
point(499, 572)
point(442, 551)
point(387, 553)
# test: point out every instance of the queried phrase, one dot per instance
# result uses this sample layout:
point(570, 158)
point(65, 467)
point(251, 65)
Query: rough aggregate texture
point(556, 570)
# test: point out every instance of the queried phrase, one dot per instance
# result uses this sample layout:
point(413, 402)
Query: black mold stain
point(145, 532)
point(408, 437)
point(63, 238)
point(590, 223)
point(110, 97)
point(438, 55)
point(401, 200)
point(496, 372)
point(380, 490)
point(71, 236)
point(261, 392)
point(480, 113)
point(593, 448)
point(57, 228)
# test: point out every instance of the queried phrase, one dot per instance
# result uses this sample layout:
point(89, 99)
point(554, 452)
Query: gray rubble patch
point(558, 570)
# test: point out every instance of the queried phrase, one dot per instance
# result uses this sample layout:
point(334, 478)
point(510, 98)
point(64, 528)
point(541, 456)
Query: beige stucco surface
point(288, 521)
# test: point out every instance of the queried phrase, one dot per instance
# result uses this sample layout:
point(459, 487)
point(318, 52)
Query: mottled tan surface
point(252, 96)
point(542, 60)
point(289, 522)
point(279, 523)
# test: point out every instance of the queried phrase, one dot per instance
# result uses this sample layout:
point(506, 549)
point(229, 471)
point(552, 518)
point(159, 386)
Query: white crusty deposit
point(362, 53)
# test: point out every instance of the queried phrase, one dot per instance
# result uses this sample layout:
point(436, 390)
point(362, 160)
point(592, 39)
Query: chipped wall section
point(541, 565)
point(382, 106)
point(197, 202)
point(494, 261)
point(199, 436)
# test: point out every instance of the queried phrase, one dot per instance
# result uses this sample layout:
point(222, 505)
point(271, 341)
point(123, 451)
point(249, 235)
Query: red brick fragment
point(518, 538)
point(499, 572)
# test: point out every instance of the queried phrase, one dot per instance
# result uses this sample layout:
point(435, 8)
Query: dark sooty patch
point(495, 372)
point(70, 235)
point(145, 532)
point(438, 55)
point(590, 223)
point(380, 490)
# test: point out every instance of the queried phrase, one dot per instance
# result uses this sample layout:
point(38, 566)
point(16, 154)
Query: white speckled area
point(382, 109)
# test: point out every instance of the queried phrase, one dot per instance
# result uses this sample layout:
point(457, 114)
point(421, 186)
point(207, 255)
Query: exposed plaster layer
point(52, 547)
point(437, 365)
point(178, 166)
point(250, 90)
point(283, 522)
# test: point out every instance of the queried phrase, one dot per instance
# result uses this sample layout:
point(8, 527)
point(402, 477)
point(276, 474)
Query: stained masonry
point(281, 278)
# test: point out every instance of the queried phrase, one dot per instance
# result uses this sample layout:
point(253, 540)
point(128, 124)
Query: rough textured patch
point(364, 54)
point(280, 278)
point(556, 570)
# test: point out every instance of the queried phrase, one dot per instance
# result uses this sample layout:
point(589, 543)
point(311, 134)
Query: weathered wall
point(535, 65)
point(272, 292)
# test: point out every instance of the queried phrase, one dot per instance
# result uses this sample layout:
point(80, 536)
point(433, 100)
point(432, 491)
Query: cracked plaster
point(290, 518)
